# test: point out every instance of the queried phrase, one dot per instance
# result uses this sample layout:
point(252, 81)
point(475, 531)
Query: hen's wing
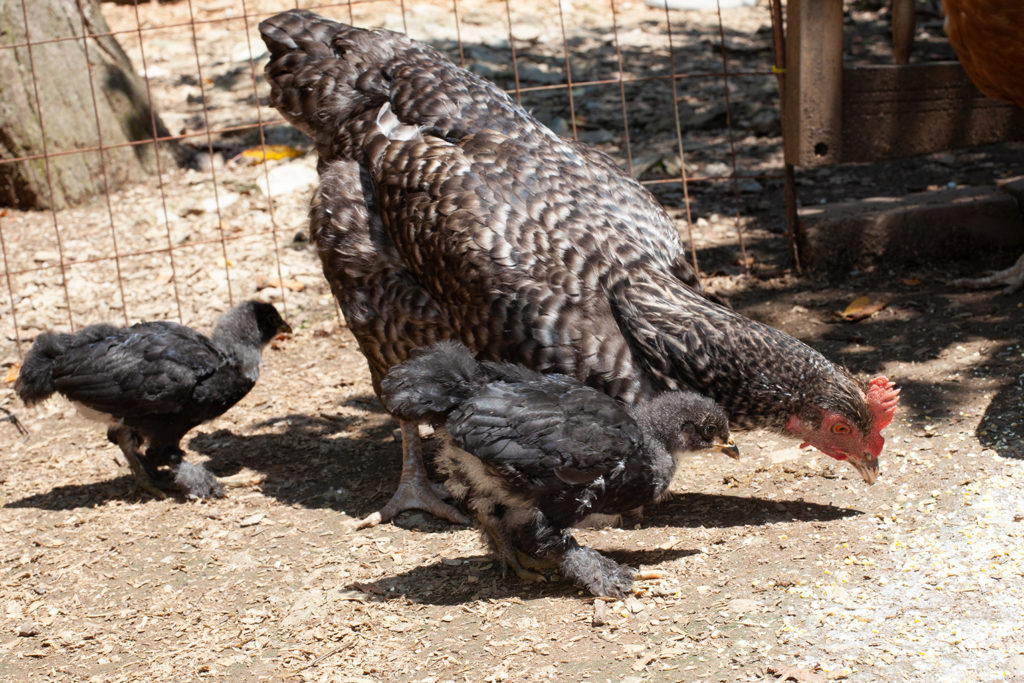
point(147, 369)
point(472, 206)
point(332, 79)
point(542, 436)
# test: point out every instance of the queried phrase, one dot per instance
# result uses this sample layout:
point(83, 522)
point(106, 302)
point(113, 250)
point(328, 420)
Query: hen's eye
point(840, 429)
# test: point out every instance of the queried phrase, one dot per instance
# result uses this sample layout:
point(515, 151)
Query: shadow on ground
point(461, 580)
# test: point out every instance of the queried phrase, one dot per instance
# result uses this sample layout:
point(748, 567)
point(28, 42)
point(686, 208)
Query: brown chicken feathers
point(446, 211)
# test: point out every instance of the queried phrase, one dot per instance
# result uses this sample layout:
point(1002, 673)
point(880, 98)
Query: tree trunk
point(79, 82)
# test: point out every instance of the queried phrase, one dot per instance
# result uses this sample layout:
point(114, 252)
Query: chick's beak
point(284, 328)
point(868, 468)
point(729, 448)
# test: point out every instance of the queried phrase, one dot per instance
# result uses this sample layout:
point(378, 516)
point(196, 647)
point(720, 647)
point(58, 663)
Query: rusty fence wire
point(682, 99)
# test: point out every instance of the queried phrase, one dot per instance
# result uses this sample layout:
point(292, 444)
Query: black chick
point(153, 382)
point(534, 454)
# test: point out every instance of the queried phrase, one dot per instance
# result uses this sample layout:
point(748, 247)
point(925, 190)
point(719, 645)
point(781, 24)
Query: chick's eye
point(840, 429)
point(709, 432)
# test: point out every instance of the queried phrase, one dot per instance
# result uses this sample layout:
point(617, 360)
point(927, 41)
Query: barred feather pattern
point(445, 210)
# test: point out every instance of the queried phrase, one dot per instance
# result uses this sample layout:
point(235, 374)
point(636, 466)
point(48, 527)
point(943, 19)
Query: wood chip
point(252, 520)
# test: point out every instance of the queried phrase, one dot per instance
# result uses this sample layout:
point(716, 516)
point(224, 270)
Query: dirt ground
point(781, 566)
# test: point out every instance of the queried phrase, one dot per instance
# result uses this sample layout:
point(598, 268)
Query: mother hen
point(445, 210)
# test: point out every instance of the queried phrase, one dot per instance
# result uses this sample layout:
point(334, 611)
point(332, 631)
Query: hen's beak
point(867, 467)
point(284, 328)
point(729, 448)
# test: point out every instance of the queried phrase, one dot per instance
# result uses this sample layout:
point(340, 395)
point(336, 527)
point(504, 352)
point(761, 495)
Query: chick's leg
point(195, 481)
point(129, 443)
point(526, 567)
point(602, 576)
point(415, 490)
point(13, 419)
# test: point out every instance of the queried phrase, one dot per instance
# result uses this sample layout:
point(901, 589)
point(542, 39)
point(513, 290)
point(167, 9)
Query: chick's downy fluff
point(153, 382)
point(446, 211)
point(533, 454)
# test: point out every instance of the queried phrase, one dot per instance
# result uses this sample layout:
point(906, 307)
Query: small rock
point(212, 204)
point(717, 168)
point(27, 629)
point(205, 162)
point(741, 605)
point(286, 178)
point(600, 617)
point(749, 186)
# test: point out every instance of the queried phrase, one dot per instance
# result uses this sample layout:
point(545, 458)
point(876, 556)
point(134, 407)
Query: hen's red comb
point(882, 399)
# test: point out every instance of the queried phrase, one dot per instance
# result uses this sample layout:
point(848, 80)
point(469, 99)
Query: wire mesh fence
point(686, 101)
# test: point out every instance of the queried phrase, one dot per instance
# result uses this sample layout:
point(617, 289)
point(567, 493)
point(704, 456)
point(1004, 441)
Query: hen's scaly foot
point(413, 495)
point(1011, 279)
point(415, 490)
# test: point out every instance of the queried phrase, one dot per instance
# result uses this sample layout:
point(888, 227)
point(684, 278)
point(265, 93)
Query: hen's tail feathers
point(35, 380)
point(324, 74)
point(432, 383)
point(671, 330)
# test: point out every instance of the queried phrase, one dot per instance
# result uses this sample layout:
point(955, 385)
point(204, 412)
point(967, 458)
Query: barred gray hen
point(153, 382)
point(533, 454)
point(446, 211)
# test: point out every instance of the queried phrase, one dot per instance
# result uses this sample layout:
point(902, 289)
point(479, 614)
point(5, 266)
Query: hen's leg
point(1012, 278)
point(415, 490)
point(129, 442)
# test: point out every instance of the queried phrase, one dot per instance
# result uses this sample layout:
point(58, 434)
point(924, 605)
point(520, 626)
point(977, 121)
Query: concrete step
point(926, 227)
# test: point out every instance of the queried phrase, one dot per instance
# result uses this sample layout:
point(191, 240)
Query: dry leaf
point(12, 373)
point(860, 308)
point(272, 152)
point(911, 281)
point(745, 262)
